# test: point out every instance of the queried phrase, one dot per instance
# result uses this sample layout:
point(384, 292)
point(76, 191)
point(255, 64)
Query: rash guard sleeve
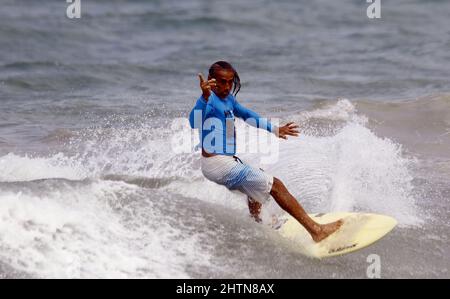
point(245, 113)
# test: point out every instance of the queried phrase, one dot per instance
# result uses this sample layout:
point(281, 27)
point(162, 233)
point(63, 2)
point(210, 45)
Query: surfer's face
point(224, 83)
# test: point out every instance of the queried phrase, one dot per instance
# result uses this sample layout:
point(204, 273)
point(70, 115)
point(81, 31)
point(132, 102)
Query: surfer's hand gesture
point(206, 86)
point(287, 130)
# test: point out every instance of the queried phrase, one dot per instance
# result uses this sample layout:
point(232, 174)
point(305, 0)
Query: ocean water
point(91, 185)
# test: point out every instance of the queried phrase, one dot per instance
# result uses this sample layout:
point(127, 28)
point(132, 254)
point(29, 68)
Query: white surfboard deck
point(358, 231)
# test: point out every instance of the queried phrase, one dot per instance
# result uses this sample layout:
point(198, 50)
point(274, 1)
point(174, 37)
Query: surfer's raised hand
point(290, 129)
point(206, 86)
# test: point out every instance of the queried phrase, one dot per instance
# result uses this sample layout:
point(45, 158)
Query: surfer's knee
point(276, 186)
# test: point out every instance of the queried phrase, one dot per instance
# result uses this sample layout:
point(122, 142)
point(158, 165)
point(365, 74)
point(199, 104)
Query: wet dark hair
point(223, 65)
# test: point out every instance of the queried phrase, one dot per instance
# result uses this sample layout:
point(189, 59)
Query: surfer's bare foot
point(326, 230)
point(255, 209)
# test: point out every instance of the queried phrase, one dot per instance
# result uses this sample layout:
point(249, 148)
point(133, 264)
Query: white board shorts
point(232, 173)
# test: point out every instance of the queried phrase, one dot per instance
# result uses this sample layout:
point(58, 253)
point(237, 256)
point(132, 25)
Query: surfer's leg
point(255, 209)
point(258, 185)
point(288, 203)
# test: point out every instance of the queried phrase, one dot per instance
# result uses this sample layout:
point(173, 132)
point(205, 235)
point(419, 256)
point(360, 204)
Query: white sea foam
point(81, 232)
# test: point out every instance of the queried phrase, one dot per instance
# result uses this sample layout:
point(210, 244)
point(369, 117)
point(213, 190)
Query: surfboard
point(358, 231)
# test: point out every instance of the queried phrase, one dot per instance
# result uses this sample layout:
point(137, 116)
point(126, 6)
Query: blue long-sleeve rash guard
point(215, 121)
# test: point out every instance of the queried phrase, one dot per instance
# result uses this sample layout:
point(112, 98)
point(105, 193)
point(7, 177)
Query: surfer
point(214, 115)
